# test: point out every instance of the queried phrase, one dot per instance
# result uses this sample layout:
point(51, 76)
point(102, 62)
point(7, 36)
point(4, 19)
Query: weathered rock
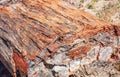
point(47, 38)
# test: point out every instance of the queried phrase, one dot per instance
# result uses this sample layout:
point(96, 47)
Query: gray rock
point(62, 71)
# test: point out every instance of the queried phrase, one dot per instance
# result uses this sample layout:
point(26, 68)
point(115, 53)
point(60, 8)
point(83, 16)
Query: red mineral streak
point(46, 33)
point(20, 62)
point(79, 52)
point(33, 26)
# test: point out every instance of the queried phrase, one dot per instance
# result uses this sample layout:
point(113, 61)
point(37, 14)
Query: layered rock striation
point(50, 38)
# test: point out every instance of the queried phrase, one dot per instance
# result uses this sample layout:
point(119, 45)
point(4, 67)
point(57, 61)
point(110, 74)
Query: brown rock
point(36, 30)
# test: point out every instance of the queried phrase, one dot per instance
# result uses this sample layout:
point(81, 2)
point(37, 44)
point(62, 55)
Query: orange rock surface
point(33, 27)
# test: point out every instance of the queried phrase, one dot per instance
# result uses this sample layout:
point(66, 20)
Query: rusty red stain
point(79, 52)
point(20, 62)
point(49, 31)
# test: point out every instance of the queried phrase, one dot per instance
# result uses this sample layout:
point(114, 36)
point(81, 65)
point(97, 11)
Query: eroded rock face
point(47, 38)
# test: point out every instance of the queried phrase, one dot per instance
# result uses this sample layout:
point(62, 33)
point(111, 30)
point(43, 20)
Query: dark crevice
point(72, 75)
point(49, 50)
point(55, 74)
point(116, 30)
point(85, 70)
point(6, 42)
point(3, 30)
point(45, 34)
point(20, 74)
point(93, 39)
point(67, 47)
point(41, 59)
point(2, 21)
point(116, 33)
point(50, 66)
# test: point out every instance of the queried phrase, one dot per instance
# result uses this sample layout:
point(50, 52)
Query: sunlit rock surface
point(108, 10)
point(50, 38)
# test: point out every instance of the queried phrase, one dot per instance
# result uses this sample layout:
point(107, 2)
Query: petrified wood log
point(35, 30)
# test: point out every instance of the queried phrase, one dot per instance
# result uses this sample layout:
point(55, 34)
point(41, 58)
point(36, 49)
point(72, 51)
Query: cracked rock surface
point(50, 38)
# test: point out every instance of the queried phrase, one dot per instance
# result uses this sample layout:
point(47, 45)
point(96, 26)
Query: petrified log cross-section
point(31, 29)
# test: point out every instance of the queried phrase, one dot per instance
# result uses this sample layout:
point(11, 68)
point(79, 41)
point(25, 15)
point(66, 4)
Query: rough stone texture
point(107, 10)
point(47, 38)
